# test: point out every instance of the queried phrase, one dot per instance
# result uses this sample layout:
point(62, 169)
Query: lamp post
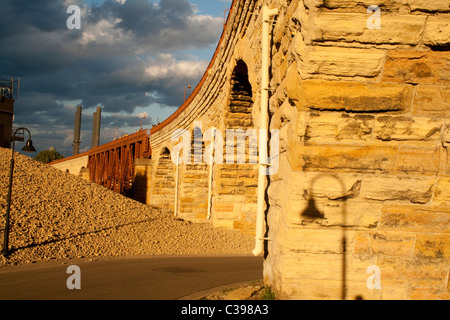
point(187, 85)
point(28, 148)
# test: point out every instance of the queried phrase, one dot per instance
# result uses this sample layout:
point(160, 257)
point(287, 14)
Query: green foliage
point(267, 294)
point(48, 156)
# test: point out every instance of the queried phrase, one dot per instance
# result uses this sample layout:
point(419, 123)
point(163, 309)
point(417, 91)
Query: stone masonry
point(362, 109)
point(363, 120)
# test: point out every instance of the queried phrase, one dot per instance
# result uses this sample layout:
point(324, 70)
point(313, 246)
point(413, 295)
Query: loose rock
point(55, 215)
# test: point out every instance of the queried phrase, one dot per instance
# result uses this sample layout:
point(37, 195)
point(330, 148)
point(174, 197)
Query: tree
point(48, 156)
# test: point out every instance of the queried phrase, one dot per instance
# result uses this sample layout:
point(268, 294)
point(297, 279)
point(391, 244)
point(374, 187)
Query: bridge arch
point(193, 189)
point(163, 182)
point(240, 100)
point(234, 201)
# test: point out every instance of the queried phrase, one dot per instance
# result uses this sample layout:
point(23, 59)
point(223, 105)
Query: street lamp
point(28, 148)
point(187, 84)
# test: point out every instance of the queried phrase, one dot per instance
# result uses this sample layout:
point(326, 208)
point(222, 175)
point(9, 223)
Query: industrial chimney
point(77, 132)
point(94, 131)
point(96, 127)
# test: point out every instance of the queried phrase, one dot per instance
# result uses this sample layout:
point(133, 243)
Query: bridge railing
point(112, 165)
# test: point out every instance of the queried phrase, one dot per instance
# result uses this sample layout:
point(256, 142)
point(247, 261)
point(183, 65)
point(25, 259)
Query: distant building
point(7, 95)
point(6, 119)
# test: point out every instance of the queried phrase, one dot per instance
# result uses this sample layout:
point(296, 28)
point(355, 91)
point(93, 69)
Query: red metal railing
point(112, 165)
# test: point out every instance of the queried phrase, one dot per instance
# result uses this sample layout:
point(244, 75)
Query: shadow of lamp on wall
point(27, 148)
point(313, 213)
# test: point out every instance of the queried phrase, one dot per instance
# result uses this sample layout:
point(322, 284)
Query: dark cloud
point(22, 16)
point(144, 18)
point(125, 56)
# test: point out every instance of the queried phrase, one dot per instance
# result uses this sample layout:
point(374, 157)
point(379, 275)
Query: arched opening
point(163, 187)
point(234, 203)
point(194, 182)
point(239, 111)
point(197, 146)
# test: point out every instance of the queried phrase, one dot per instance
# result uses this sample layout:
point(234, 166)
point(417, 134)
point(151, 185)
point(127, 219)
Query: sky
point(130, 57)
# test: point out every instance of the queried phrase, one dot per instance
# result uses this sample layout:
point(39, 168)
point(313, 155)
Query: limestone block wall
point(364, 172)
point(360, 204)
point(362, 112)
point(224, 100)
point(73, 165)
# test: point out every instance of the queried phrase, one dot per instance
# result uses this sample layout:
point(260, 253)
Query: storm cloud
point(128, 56)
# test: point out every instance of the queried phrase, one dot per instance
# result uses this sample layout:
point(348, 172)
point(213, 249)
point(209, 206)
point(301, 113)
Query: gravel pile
point(55, 215)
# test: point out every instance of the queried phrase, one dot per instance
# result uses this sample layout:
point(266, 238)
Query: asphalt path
point(132, 278)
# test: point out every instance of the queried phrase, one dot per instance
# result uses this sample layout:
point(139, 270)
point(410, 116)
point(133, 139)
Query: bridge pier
point(143, 169)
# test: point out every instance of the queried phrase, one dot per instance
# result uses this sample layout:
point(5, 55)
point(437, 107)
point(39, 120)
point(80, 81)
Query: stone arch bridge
point(357, 120)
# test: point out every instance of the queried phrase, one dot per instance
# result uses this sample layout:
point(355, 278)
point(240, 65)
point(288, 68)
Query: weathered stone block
point(349, 96)
point(313, 266)
point(415, 218)
point(446, 136)
point(352, 27)
point(385, 5)
point(221, 223)
point(441, 194)
point(389, 188)
point(330, 127)
point(291, 82)
point(201, 216)
point(323, 185)
point(406, 128)
point(413, 272)
point(300, 289)
point(448, 280)
point(417, 67)
point(362, 214)
point(327, 267)
point(437, 31)
point(397, 289)
point(318, 200)
point(342, 158)
point(316, 240)
point(418, 160)
point(435, 246)
point(392, 244)
point(421, 293)
point(228, 190)
point(362, 243)
point(228, 216)
point(244, 226)
point(432, 100)
point(358, 290)
point(224, 207)
point(343, 62)
point(311, 4)
point(429, 5)
point(229, 198)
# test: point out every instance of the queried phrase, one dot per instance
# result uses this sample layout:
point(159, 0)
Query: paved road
point(149, 278)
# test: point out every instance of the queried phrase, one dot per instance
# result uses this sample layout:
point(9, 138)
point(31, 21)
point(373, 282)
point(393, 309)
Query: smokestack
point(77, 132)
point(96, 127)
point(94, 131)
